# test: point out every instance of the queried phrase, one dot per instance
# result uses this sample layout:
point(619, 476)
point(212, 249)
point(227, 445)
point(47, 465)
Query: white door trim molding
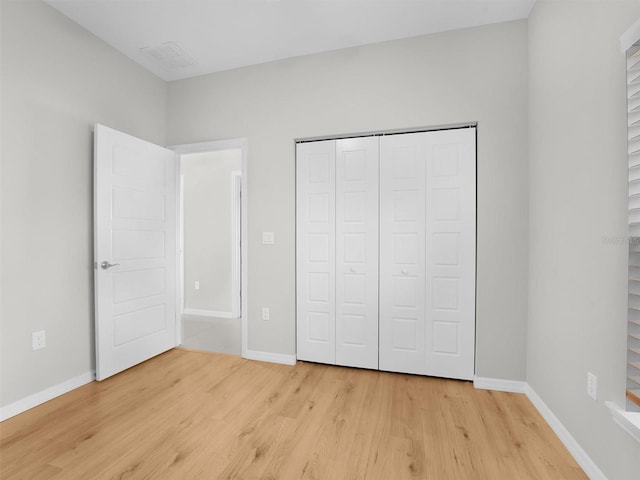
point(180, 253)
point(243, 145)
point(236, 240)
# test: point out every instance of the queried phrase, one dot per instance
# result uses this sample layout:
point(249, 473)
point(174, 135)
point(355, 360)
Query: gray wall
point(57, 80)
point(477, 74)
point(578, 189)
point(207, 228)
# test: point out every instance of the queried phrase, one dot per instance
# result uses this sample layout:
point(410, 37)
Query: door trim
point(236, 244)
point(212, 146)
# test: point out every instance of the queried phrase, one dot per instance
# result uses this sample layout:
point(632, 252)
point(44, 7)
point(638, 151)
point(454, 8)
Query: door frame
point(206, 147)
point(236, 244)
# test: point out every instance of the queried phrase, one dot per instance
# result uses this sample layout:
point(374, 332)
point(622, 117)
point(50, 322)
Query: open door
point(135, 250)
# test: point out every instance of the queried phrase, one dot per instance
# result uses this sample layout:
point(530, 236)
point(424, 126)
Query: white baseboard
point(207, 313)
point(500, 385)
point(270, 357)
point(45, 395)
point(583, 459)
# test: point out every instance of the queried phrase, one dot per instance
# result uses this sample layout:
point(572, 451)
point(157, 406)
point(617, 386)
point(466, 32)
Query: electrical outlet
point(265, 313)
point(592, 385)
point(196, 285)
point(38, 340)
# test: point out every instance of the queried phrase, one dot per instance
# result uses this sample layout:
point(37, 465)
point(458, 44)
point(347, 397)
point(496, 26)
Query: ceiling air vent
point(169, 55)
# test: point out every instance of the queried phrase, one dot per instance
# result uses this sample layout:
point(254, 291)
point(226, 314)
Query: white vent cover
point(169, 55)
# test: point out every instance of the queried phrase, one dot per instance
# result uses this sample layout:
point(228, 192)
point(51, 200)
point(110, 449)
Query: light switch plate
point(268, 238)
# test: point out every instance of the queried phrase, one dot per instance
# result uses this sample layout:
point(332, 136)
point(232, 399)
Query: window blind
point(633, 316)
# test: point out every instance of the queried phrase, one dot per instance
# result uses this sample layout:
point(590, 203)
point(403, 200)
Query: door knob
point(352, 270)
point(106, 265)
point(404, 271)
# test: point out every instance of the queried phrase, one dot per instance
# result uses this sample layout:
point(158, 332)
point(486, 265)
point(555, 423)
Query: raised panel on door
point(357, 252)
point(315, 251)
point(402, 253)
point(450, 253)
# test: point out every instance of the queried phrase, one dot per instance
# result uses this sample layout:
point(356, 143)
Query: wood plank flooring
point(189, 415)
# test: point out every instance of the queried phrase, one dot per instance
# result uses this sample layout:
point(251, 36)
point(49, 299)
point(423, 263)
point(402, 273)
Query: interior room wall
point(578, 222)
point(473, 75)
point(207, 228)
point(551, 89)
point(57, 81)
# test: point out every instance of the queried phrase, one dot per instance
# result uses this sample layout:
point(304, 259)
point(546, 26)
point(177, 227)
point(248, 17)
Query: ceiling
point(177, 39)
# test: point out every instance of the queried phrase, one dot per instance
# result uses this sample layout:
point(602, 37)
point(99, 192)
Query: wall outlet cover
point(38, 340)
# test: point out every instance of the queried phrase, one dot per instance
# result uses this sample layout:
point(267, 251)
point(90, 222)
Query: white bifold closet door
point(386, 252)
point(357, 252)
point(316, 251)
point(402, 253)
point(337, 252)
point(427, 253)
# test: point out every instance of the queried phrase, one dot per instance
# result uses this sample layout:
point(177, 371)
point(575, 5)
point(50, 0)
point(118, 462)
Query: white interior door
point(315, 251)
point(135, 250)
point(402, 253)
point(357, 252)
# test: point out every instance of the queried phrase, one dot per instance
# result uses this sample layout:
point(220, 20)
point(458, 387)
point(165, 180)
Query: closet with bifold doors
point(385, 252)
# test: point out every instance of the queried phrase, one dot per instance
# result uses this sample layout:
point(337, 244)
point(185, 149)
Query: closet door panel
point(315, 252)
point(357, 252)
point(450, 253)
point(402, 253)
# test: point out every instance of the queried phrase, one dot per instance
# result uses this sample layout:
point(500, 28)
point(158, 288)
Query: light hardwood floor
point(189, 415)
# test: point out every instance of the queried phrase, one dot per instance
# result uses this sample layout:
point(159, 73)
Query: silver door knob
point(404, 271)
point(106, 265)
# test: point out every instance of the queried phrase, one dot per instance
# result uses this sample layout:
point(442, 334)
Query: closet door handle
point(404, 271)
point(352, 270)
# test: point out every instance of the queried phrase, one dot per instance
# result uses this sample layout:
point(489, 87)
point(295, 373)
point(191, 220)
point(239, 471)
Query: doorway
point(211, 314)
